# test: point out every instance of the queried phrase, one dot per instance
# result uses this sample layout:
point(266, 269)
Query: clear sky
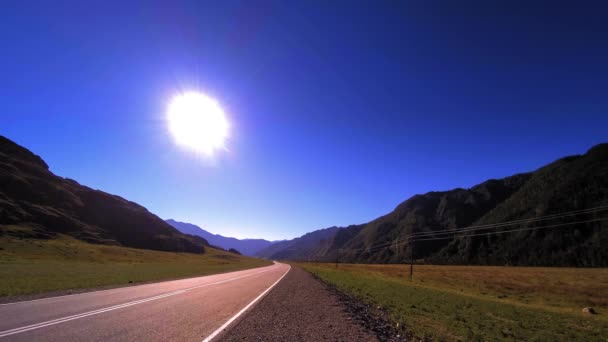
point(339, 110)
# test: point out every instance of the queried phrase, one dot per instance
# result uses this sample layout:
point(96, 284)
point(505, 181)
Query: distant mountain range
point(245, 246)
point(308, 246)
point(36, 204)
point(566, 185)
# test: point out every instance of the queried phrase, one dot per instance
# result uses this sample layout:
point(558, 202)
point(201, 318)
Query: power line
point(517, 230)
point(468, 232)
point(490, 226)
point(502, 224)
point(481, 234)
point(411, 236)
point(434, 235)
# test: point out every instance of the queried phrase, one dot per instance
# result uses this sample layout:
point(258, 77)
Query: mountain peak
point(599, 150)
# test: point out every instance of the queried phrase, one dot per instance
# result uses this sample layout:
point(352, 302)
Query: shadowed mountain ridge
point(568, 184)
point(35, 203)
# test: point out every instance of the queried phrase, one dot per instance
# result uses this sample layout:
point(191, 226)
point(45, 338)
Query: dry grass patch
point(561, 289)
point(35, 266)
point(482, 303)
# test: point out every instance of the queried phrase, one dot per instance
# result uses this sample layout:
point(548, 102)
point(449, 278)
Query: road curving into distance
point(193, 309)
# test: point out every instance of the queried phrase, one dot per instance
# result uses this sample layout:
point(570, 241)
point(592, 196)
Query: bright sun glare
point(198, 122)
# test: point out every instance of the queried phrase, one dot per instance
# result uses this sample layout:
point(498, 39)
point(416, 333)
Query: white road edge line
point(115, 307)
point(225, 325)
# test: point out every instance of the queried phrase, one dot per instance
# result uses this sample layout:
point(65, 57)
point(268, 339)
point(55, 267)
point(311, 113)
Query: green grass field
point(478, 303)
point(37, 266)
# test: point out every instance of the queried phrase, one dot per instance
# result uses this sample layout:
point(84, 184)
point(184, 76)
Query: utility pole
point(337, 257)
point(412, 260)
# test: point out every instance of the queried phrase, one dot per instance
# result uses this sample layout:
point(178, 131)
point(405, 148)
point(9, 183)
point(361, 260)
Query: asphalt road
point(181, 310)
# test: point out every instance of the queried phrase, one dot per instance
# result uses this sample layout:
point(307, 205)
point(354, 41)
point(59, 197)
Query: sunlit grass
point(482, 303)
point(36, 266)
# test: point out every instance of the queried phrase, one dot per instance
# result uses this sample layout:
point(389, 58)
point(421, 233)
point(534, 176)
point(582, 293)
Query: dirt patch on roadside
point(372, 318)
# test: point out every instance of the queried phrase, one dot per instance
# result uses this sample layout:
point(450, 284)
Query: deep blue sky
point(339, 110)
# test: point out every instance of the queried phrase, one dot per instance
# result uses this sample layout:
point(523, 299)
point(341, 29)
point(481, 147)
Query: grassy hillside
point(31, 266)
point(568, 184)
point(46, 205)
point(481, 303)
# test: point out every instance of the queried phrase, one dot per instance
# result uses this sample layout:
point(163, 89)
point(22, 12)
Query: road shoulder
point(299, 308)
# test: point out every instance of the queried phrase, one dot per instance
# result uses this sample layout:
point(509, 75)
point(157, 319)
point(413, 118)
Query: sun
point(198, 122)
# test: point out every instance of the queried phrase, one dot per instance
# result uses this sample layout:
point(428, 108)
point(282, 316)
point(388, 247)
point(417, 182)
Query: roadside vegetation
point(32, 266)
point(483, 303)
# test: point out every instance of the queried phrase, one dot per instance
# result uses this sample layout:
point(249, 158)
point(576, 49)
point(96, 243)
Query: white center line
point(115, 307)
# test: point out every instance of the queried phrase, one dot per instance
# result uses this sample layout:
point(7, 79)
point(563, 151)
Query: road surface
point(191, 309)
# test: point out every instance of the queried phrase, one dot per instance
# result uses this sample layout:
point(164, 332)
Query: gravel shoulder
point(299, 308)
